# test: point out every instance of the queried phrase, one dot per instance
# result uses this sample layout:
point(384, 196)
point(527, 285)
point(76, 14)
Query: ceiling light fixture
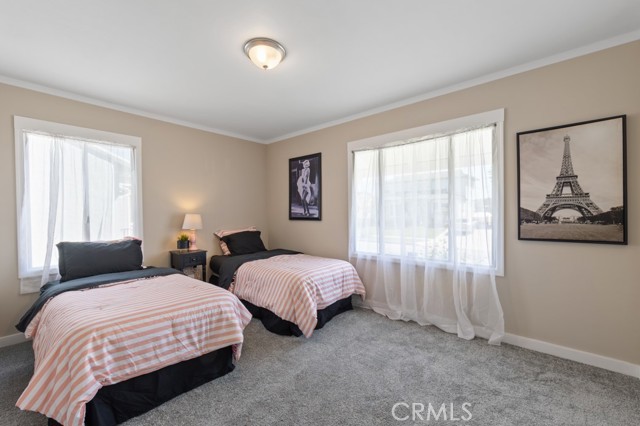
point(264, 52)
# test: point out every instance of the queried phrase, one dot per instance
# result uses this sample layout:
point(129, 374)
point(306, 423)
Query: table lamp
point(192, 221)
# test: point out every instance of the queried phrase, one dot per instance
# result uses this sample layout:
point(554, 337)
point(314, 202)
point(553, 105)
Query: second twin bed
point(291, 293)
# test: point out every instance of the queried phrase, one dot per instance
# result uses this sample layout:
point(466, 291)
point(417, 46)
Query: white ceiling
point(182, 61)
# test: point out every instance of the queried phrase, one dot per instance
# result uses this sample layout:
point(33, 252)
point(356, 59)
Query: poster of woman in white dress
point(304, 187)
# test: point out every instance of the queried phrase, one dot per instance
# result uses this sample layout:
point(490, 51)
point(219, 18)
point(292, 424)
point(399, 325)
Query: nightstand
point(181, 259)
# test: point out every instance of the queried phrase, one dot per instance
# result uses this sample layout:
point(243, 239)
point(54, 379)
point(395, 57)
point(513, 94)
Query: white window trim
point(22, 124)
point(400, 137)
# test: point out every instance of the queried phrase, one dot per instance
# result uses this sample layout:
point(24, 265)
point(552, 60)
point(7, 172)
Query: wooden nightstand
point(181, 259)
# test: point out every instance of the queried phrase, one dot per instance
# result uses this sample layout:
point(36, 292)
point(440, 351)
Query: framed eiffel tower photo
point(572, 182)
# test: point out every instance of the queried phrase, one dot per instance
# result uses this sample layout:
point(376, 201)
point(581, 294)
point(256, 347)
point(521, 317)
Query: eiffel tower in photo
point(567, 193)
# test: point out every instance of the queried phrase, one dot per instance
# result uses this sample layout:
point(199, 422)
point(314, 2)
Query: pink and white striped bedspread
point(295, 287)
point(87, 339)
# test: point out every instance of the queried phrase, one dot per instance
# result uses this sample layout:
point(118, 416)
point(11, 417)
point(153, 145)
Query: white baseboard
point(588, 358)
point(12, 339)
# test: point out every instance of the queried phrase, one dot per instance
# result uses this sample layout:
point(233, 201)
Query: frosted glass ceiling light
point(264, 52)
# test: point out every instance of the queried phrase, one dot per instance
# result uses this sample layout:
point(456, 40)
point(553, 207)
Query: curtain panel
point(424, 216)
point(72, 190)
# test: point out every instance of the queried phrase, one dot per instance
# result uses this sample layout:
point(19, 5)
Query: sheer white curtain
point(423, 217)
point(72, 190)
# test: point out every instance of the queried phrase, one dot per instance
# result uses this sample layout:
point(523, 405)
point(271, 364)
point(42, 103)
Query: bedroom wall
point(581, 296)
point(183, 170)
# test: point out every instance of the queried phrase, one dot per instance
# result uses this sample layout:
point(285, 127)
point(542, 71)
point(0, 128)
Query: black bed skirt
point(119, 402)
point(277, 325)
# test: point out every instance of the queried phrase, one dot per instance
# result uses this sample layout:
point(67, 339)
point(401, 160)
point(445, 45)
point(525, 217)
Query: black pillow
point(245, 242)
point(83, 259)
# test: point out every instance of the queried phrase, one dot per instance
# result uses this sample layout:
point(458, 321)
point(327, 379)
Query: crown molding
point(560, 57)
point(549, 60)
point(121, 108)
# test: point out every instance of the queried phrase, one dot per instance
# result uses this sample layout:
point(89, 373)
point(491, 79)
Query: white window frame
point(26, 124)
point(495, 117)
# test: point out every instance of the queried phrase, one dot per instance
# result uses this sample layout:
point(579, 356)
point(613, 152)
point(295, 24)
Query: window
point(433, 194)
point(73, 184)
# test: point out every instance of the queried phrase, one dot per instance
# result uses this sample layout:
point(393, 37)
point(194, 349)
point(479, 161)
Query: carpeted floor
point(354, 370)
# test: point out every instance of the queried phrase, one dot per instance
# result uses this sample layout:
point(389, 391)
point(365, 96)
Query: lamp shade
point(192, 221)
point(264, 52)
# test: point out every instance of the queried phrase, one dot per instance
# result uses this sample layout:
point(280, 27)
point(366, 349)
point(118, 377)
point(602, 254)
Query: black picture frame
point(572, 182)
point(305, 188)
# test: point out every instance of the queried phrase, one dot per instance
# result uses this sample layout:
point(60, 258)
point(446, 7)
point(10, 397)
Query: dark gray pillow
point(83, 259)
point(246, 242)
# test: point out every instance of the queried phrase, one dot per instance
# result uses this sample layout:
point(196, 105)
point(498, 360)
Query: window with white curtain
point(426, 224)
point(73, 184)
point(435, 196)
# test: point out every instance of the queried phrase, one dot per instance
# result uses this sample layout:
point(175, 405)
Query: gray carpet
point(354, 370)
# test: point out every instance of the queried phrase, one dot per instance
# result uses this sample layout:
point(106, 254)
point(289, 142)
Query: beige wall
point(183, 170)
point(583, 296)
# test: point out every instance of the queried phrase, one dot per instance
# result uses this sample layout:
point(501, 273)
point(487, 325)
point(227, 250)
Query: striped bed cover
point(84, 340)
point(295, 287)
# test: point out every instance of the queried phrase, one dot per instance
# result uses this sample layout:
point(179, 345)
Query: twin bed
point(291, 293)
point(115, 340)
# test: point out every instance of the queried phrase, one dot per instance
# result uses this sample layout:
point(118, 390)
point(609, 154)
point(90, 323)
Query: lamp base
point(192, 241)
